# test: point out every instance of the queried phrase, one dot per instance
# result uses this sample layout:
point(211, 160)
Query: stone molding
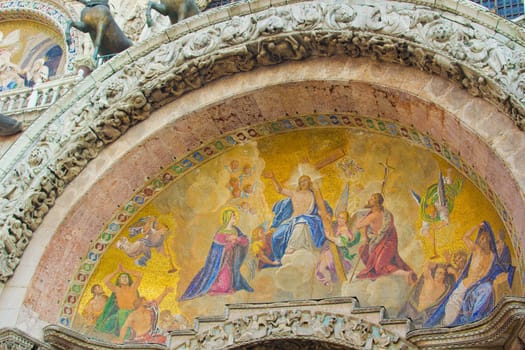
point(338, 321)
point(15, 339)
point(234, 39)
point(60, 338)
point(507, 318)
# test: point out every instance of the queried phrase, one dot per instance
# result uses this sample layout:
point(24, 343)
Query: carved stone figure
point(216, 338)
point(280, 323)
point(96, 19)
point(292, 324)
point(9, 126)
point(384, 340)
point(254, 328)
point(176, 10)
point(358, 333)
point(323, 325)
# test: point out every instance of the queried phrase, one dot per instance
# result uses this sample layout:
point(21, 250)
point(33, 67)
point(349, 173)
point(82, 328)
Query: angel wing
point(441, 192)
point(342, 203)
point(10, 39)
point(416, 197)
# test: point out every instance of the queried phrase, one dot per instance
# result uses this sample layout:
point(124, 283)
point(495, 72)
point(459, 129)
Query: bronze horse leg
point(101, 31)
point(97, 40)
point(159, 7)
point(85, 29)
point(79, 25)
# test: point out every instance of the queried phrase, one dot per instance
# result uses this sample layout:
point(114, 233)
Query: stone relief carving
point(487, 65)
point(16, 340)
point(134, 22)
point(239, 30)
point(294, 324)
point(457, 41)
point(305, 327)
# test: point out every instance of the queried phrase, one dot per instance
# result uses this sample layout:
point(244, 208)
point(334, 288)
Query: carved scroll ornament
point(295, 324)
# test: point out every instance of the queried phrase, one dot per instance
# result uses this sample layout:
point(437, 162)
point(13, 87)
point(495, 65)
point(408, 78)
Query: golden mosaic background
point(190, 207)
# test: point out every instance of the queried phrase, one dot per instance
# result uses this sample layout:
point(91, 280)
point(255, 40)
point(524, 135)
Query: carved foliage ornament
point(295, 324)
point(16, 340)
point(488, 65)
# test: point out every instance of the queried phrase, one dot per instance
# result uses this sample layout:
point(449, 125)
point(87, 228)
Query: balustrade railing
point(39, 97)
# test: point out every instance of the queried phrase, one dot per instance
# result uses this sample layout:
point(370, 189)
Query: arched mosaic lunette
point(181, 167)
point(45, 13)
point(54, 150)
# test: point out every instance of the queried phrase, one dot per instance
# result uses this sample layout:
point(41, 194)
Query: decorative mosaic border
point(215, 148)
point(44, 13)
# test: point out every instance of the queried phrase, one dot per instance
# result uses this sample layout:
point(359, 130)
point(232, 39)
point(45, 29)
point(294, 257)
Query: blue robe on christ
point(284, 223)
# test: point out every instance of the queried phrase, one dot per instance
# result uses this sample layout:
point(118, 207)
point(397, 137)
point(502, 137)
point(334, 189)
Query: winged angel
point(437, 203)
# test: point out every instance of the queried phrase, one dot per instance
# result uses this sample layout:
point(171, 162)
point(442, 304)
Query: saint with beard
point(379, 253)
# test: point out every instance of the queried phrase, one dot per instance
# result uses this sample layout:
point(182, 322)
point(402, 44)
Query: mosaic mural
point(30, 53)
point(314, 207)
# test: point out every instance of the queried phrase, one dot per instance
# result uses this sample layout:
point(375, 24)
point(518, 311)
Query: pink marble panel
point(388, 74)
point(415, 82)
point(436, 87)
point(387, 100)
point(418, 116)
point(297, 100)
point(223, 118)
point(237, 113)
point(362, 102)
point(402, 108)
point(341, 97)
point(270, 103)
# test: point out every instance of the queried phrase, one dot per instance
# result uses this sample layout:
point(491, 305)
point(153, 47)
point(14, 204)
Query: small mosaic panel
point(41, 27)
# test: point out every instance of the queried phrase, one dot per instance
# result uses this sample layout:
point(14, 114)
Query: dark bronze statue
point(9, 126)
point(96, 19)
point(176, 10)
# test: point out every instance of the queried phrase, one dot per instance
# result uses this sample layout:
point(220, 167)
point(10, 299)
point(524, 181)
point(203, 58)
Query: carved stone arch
point(241, 38)
point(294, 325)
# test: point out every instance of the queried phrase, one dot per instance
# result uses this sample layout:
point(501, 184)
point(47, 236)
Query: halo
point(304, 169)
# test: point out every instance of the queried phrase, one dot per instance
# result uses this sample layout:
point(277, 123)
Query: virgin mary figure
point(221, 272)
